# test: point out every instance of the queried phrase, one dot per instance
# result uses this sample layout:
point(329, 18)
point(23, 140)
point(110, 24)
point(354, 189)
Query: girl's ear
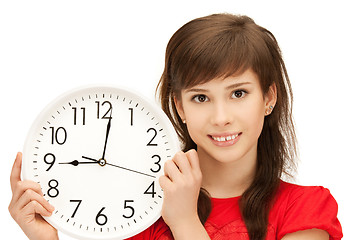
point(270, 99)
point(179, 108)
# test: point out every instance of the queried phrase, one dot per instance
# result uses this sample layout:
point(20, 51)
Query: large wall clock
point(97, 153)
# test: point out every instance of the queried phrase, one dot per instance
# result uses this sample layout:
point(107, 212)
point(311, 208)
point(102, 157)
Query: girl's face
point(225, 117)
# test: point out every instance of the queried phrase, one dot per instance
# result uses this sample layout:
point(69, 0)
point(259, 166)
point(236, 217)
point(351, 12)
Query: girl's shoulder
point(297, 208)
point(293, 191)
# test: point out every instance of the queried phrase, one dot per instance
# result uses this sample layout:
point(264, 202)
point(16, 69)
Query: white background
point(49, 47)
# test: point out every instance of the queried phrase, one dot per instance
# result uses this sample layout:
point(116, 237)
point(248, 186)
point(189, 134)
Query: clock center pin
point(102, 162)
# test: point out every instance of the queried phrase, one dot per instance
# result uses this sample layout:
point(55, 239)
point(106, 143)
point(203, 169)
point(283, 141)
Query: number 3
point(157, 164)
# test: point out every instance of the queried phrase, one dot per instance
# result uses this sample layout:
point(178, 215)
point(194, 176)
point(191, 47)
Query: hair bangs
point(209, 54)
point(219, 58)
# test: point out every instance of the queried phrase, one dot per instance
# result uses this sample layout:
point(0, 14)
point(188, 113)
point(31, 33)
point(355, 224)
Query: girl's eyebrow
point(236, 85)
point(196, 90)
point(202, 90)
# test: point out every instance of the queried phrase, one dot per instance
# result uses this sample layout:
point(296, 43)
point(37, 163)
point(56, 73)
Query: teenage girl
point(226, 90)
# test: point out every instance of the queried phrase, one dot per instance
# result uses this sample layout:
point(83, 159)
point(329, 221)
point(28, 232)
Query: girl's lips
point(225, 140)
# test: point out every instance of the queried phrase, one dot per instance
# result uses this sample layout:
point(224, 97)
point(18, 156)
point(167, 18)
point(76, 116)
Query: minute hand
point(131, 170)
point(128, 169)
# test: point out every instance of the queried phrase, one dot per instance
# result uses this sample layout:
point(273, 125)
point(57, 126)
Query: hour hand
point(76, 163)
point(101, 161)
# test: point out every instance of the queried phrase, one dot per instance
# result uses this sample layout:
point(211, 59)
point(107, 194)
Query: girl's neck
point(227, 179)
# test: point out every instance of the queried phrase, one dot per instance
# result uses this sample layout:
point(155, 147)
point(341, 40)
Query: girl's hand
point(27, 205)
point(181, 184)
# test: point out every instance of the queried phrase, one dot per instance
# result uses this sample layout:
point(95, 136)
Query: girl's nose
point(221, 114)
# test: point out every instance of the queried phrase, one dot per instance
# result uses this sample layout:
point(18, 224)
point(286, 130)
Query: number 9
point(51, 163)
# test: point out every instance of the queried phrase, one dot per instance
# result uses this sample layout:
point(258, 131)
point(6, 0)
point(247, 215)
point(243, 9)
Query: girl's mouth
point(225, 140)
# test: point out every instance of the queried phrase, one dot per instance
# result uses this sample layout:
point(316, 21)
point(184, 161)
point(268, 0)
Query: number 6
point(101, 215)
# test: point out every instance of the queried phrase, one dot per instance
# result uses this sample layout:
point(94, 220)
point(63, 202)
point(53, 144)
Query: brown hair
point(223, 45)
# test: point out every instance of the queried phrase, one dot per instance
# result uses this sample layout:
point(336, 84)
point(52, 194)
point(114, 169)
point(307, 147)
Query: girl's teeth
point(223, 139)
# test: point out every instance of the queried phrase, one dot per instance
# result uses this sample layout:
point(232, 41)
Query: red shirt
point(295, 208)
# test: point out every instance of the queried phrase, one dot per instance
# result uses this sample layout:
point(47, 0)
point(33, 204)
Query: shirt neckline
point(221, 200)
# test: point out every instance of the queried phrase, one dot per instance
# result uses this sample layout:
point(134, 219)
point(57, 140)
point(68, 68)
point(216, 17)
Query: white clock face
point(97, 153)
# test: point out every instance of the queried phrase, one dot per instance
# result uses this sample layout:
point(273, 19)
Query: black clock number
point(157, 163)
point(151, 190)
point(49, 158)
point(77, 206)
point(53, 191)
point(131, 209)
point(101, 219)
point(55, 135)
point(108, 109)
point(152, 139)
point(75, 115)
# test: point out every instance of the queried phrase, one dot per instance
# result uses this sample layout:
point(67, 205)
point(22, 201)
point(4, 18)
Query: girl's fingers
point(171, 170)
point(193, 159)
point(21, 186)
point(182, 162)
point(26, 194)
point(164, 182)
point(35, 207)
point(31, 196)
point(15, 176)
point(195, 164)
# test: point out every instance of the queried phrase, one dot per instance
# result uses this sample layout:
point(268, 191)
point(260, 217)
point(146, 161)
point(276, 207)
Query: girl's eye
point(200, 98)
point(238, 94)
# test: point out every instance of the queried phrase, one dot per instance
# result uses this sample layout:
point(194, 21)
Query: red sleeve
point(311, 207)
point(158, 231)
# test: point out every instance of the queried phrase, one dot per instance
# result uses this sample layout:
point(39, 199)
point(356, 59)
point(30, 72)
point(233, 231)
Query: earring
point(184, 121)
point(269, 110)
